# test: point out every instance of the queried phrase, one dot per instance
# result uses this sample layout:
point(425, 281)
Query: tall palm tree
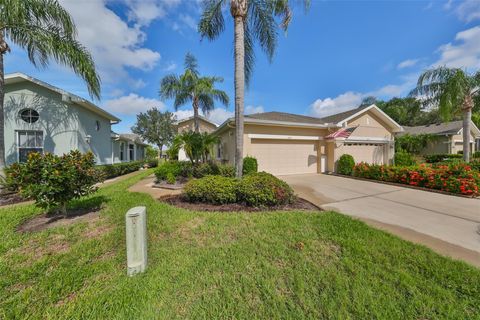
point(253, 20)
point(45, 30)
point(191, 87)
point(452, 91)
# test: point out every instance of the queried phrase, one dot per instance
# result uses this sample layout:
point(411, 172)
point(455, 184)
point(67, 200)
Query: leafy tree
point(45, 30)
point(405, 111)
point(156, 127)
point(191, 87)
point(151, 152)
point(452, 91)
point(368, 101)
point(253, 20)
point(413, 144)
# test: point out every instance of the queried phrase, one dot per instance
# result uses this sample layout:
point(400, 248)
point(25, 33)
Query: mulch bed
point(10, 198)
point(179, 201)
point(47, 221)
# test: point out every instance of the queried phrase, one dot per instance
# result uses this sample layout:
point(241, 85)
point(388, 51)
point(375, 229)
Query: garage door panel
point(285, 156)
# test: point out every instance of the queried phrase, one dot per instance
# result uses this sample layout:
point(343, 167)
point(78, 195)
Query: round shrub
point(168, 168)
point(226, 170)
point(211, 189)
point(203, 169)
point(250, 165)
point(403, 158)
point(263, 189)
point(346, 164)
point(171, 179)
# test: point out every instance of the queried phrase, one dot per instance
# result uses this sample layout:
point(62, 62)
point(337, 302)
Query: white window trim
point(17, 139)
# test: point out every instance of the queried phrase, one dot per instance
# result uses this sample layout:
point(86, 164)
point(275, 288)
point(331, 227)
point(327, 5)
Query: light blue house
point(42, 118)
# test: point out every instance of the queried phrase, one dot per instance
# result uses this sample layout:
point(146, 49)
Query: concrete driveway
point(448, 224)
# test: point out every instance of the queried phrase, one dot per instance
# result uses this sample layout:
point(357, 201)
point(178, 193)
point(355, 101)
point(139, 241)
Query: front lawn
point(225, 265)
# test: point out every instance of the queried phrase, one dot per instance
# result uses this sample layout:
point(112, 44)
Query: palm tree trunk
point(238, 9)
point(195, 116)
point(2, 119)
point(467, 118)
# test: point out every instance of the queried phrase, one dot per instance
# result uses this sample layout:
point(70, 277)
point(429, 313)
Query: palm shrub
point(250, 165)
point(52, 181)
point(346, 164)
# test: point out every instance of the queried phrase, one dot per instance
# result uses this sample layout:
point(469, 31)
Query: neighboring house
point(127, 147)
point(449, 137)
point(188, 124)
point(285, 143)
point(42, 118)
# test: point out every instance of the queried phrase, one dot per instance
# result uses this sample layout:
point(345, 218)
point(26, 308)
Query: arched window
point(29, 115)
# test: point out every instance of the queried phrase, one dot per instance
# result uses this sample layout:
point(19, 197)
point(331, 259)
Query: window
point(29, 115)
point(122, 150)
point(97, 125)
point(131, 151)
point(29, 142)
point(219, 151)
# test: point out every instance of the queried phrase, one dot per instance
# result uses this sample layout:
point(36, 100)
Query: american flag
point(341, 133)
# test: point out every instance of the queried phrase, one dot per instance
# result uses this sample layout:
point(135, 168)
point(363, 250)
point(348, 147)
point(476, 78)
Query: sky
point(332, 56)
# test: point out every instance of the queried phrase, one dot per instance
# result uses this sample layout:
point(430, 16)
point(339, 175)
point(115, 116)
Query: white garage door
point(369, 153)
point(285, 156)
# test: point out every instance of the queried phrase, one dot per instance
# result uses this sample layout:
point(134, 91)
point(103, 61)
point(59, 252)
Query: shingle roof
point(284, 117)
point(337, 117)
point(438, 129)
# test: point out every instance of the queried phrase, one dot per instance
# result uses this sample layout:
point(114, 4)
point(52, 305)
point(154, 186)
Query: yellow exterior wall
point(369, 126)
point(189, 125)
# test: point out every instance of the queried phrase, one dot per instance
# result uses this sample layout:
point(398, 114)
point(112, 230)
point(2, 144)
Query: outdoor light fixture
point(88, 138)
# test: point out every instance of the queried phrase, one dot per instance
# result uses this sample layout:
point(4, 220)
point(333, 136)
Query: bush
point(455, 177)
point(403, 158)
point(476, 155)
point(211, 189)
point(53, 181)
point(263, 189)
point(168, 168)
point(204, 169)
point(250, 165)
point(226, 170)
point(346, 164)
point(171, 178)
point(114, 170)
point(433, 158)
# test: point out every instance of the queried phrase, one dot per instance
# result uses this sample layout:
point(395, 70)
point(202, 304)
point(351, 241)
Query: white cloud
point(407, 63)
point(467, 11)
point(132, 104)
point(253, 109)
point(188, 20)
point(343, 102)
point(464, 52)
point(170, 67)
point(114, 45)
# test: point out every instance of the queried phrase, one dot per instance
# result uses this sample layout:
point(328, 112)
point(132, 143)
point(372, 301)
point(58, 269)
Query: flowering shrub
point(454, 177)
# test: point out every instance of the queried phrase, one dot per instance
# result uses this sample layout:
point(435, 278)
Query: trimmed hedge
point(433, 158)
point(457, 177)
point(118, 169)
point(185, 169)
point(403, 158)
point(211, 189)
point(263, 189)
point(346, 164)
point(250, 165)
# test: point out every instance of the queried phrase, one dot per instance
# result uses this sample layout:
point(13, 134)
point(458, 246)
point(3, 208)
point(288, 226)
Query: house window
point(97, 125)
point(219, 151)
point(29, 142)
point(131, 151)
point(29, 115)
point(122, 151)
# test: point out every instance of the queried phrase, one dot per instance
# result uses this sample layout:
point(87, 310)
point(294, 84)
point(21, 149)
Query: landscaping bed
point(180, 202)
point(10, 198)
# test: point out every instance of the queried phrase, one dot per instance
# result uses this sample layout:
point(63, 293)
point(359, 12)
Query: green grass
point(225, 265)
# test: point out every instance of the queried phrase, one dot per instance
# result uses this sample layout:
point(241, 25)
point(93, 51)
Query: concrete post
point(136, 228)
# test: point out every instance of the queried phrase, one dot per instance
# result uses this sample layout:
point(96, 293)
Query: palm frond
point(212, 23)
point(249, 55)
point(191, 63)
point(262, 25)
point(169, 86)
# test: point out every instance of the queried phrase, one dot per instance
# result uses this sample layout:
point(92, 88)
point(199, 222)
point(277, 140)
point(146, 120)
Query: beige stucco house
point(285, 143)
point(188, 124)
point(449, 137)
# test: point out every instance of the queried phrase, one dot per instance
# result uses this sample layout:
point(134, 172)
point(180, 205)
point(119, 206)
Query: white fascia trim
point(282, 137)
point(474, 128)
point(461, 141)
point(399, 128)
point(367, 140)
point(290, 124)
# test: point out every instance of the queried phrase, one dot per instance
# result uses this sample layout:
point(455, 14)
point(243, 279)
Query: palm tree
point(452, 90)
point(190, 87)
point(253, 19)
point(45, 30)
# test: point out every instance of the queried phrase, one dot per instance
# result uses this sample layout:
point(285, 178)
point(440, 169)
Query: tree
point(452, 91)
point(197, 146)
point(190, 87)
point(253, 20)
point(155, 127)
point(46, 31)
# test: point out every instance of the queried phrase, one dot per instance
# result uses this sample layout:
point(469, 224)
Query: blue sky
point(333, 55)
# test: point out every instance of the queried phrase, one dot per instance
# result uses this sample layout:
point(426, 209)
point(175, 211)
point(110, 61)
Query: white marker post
point(136, 228)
